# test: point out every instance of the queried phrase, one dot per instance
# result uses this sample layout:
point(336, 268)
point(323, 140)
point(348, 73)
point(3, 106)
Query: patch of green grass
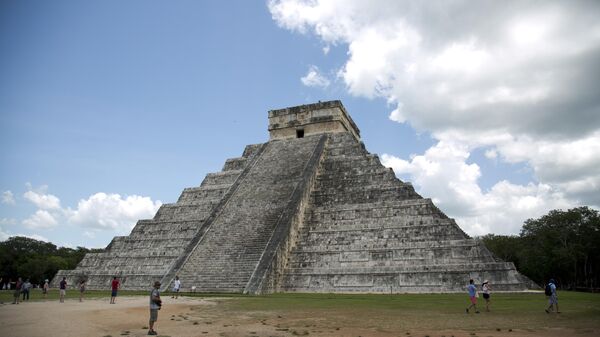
point(404, 312)
point(435, 311)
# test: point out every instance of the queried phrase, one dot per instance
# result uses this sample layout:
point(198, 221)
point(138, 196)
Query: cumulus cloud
point(100, 211)
point(8, 221)
point(443, 172)
point(518, 80)
point(112, 211)
point(8, 198)
point(41, 199)
point(41, 219)
point(314, 78)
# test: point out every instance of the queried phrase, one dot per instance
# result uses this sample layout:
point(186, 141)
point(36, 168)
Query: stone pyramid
point(311, 210)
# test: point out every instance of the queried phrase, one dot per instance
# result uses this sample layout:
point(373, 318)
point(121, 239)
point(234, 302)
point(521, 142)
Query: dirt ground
point(186, 316)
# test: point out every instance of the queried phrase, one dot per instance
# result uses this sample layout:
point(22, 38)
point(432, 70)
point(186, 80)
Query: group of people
point(62, 287)
point(550, 291)
point(21, 289)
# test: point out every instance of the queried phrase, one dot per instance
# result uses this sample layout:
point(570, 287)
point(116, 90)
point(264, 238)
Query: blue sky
point(110, 108)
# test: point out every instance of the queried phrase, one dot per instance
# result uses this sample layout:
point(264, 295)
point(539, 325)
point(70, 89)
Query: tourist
point(63, 289)
point(45, 288)
point(176, 287)
point(553, 298)
point(81, 290)
point(155, 304)
point(472, 296)
point(25, 289)
point(486, 294)
point(17, 291)
point(115, 287)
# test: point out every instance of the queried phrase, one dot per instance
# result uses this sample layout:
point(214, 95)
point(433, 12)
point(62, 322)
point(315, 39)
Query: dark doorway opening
point(300, 133)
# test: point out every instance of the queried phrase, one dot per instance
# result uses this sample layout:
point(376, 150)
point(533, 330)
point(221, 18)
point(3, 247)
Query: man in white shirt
point(176, 287)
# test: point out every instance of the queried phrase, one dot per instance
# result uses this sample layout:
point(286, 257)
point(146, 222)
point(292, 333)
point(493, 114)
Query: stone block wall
point(367, 231)
point(154, 246)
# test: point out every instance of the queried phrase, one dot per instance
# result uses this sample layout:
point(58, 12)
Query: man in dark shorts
point(17, 291)
point(63, 289)
point(486, 294)
point(155, 305)
point(114, 287)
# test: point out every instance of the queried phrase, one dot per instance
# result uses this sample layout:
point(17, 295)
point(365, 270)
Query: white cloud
point(101, 211)
point(41, 219)
point(443, 172)
point(4, 235)
point(8, 198)
point(314, 78)
point(8, 221)
point(89, 234)
point(519, 83)
point(112, 212)
point(42, 200)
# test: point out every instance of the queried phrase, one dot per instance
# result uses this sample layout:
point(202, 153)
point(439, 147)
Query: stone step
point(433, 268)
point(220, 179)
point(234, 244)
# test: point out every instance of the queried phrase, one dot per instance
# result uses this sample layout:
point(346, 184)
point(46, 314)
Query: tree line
point(563, 245)
point(36, 260)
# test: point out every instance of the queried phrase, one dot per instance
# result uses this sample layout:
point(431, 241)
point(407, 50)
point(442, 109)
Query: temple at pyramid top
point(310, 119)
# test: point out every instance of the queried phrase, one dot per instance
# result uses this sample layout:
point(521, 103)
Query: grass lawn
point(385, 313)
point(523, 311)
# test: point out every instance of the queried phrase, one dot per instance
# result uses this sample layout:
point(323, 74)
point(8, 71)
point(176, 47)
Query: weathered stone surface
point(312, 211)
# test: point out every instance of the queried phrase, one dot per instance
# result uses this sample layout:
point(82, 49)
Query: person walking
point(472, 290)
point(81, 290)
point(155, 305)
point(45, 288)
point(63, 289)
point(17, 291)
point(486, 294)
point(114, 287)
point(176, 287)
point(25, 290)
point(553, 296)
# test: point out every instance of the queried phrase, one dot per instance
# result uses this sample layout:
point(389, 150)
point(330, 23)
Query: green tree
point(564, 245)
point(36, 260)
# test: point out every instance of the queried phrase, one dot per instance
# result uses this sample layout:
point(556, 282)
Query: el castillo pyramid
point(311, 210)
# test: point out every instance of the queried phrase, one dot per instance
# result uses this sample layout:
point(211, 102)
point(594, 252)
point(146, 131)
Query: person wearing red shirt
point(115, 287)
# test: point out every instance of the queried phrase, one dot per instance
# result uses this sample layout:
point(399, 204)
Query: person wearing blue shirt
point(472, 289)
point(553, 298)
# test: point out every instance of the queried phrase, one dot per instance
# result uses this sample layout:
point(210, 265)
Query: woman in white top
point(486, 294)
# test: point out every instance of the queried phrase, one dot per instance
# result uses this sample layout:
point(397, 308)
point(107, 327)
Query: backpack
point(548, 290)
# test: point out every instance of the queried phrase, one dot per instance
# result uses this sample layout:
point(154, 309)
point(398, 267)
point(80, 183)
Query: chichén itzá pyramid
point(311, 210)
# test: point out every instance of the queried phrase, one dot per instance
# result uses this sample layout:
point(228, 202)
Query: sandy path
point(187, 317)
point(92, 317)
